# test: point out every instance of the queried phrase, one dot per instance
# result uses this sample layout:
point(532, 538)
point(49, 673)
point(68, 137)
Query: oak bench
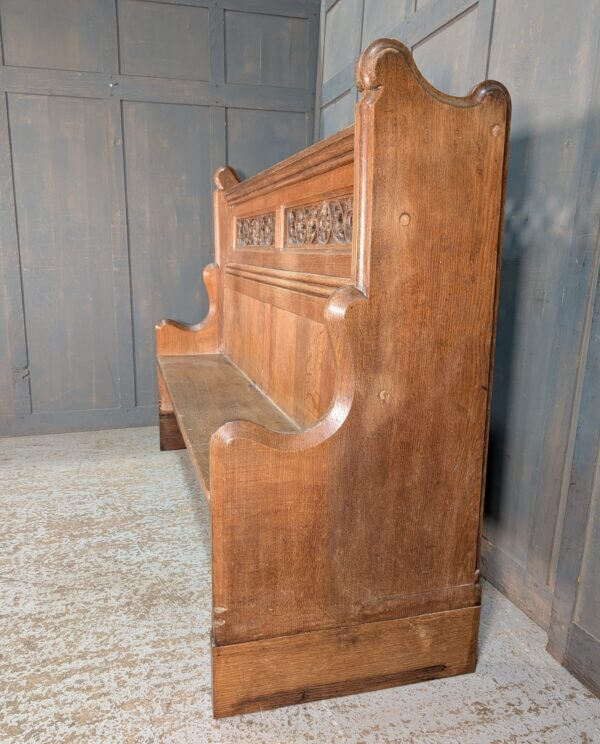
point(335, 400)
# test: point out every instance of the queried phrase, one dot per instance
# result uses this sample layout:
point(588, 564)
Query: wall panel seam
point(118, 39)
point(29, 403)
point(422, 24)
point(128, 243)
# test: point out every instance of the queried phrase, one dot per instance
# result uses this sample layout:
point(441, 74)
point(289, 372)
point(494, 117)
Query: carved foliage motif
point(256, 231)
point(322, 223)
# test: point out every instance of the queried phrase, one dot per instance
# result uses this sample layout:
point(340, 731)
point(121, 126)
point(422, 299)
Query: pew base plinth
point(274, 672)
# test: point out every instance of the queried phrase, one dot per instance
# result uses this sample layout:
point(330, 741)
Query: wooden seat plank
point(208, 390)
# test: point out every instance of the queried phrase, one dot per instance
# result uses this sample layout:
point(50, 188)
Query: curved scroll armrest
point(174, 337)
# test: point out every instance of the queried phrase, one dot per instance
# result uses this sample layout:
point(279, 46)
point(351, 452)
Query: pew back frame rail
point(335, 401)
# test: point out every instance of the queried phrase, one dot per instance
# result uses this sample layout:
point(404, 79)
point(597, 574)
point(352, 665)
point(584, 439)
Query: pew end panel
point(175, 338)
point(359, 286)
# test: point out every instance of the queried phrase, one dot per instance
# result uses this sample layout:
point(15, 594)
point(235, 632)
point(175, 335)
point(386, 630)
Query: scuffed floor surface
point(104, 637)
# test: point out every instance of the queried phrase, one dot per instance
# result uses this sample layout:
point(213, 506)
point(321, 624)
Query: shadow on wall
point(549, 238)
point(517, 223)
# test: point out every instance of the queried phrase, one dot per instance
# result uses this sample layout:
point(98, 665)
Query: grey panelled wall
point(113, 115)
point(574, 634)
point(449, 40)
point(546, 52)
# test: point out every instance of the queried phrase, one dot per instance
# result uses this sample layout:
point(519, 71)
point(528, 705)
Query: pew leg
point(169, 433)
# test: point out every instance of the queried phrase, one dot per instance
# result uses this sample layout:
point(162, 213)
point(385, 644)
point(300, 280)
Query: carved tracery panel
point(320, 223)
point(258, 231)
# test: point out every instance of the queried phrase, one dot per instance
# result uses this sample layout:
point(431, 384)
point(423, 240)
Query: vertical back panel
point(277, 286)
point(286, 355)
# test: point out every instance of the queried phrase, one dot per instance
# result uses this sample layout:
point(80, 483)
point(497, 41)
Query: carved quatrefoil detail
point(256, 231)
point(321, 223)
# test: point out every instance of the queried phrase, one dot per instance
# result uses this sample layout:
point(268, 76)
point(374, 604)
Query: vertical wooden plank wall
point(550, 271)
point(547, 54)
point(113, 115)
point(574, 633)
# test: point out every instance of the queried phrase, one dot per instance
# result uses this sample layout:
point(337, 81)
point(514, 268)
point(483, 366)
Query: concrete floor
point(104, 622)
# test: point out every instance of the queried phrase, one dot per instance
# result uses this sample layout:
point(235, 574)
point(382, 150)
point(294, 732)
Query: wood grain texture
point(174, 337)
point(277, 337)
point(260, 675)
point(169, 433)
point(314, 284)
point(326, 264)
point(548, 264)
point(274, 300)
point(207, 390)
point(321, 157)
point(300, 303)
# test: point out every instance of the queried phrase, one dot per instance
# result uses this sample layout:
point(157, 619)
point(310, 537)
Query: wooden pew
point(335, 401)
